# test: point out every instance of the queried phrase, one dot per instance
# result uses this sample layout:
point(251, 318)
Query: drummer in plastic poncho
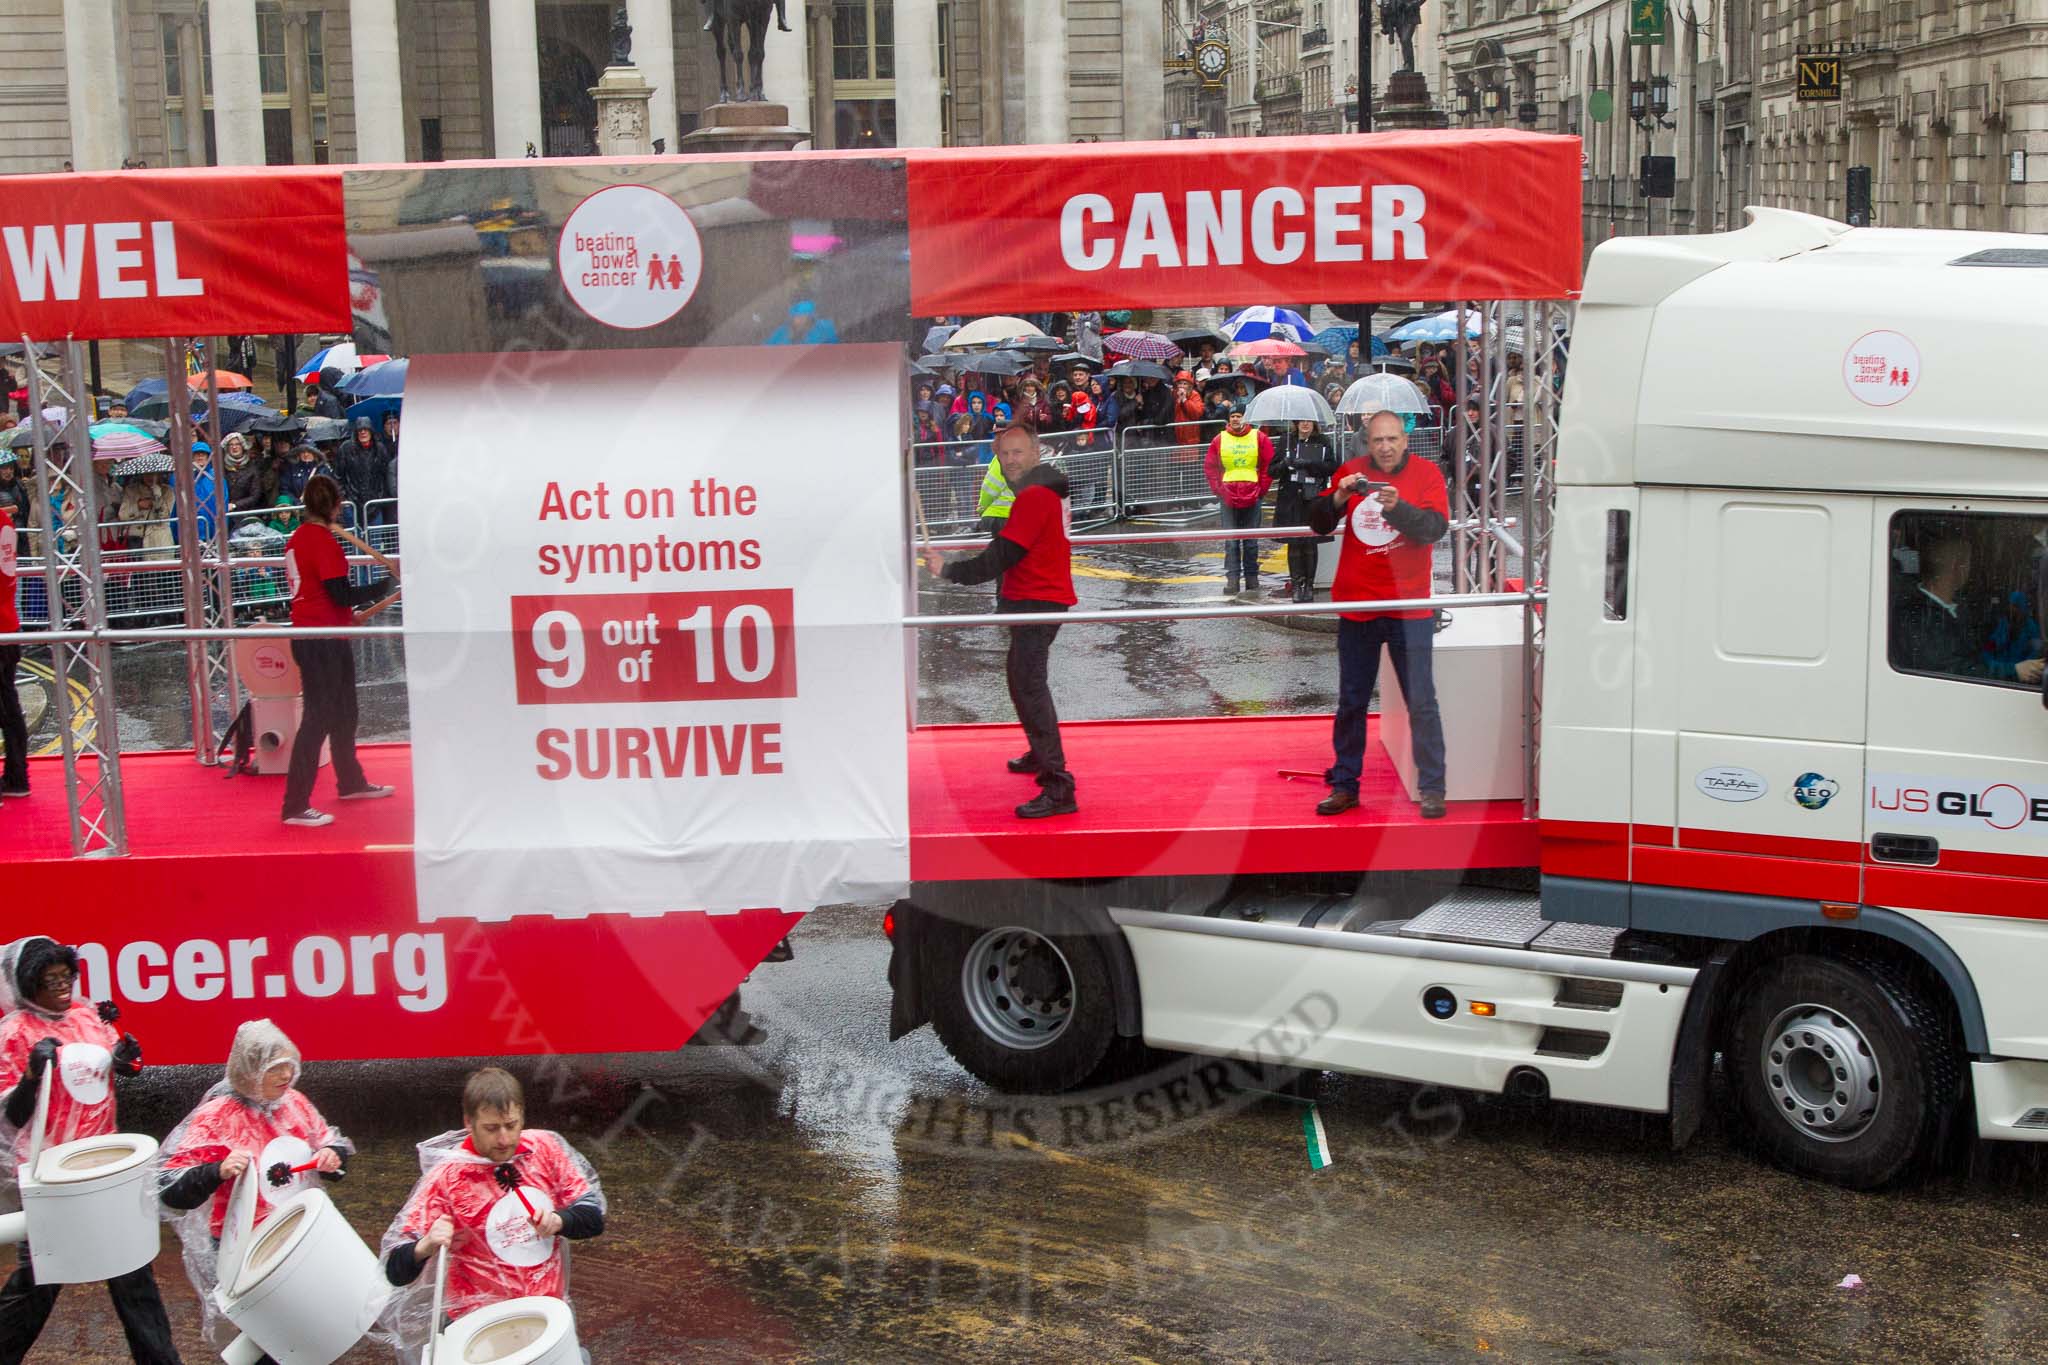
point(256, 1117)
point(498, 1196)
point(49, 1025)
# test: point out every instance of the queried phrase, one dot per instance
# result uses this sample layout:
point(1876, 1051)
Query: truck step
point(1507, 919)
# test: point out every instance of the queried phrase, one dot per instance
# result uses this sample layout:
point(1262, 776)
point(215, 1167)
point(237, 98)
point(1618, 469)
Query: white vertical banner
point(653, 609)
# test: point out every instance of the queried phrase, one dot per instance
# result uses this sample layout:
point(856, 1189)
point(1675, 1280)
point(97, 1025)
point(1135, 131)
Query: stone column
point(785, 65)
point(824, 98)
point(237, 84)
point(377, 82)
point(193, 63)
point(917, 73)
point(1044, 61)
point(298, 83)
point(654, 53)
point(1144, 56)
point(515, 78)
point(92, 78)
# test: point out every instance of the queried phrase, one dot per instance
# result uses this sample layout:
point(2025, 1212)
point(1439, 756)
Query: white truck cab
point(1794, 756)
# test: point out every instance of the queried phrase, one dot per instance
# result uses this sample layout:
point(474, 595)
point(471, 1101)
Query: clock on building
point(1212, 59)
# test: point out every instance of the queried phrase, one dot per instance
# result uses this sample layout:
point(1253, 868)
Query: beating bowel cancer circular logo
point(630, 257)
point(1881, 368)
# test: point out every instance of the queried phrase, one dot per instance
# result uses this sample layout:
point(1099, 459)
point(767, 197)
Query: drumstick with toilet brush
point(507, 1176)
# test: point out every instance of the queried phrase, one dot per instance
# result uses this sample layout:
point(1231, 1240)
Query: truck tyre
point(1845, 1071)
point(1026, 1012)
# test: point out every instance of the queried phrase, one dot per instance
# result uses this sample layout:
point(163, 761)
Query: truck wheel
point(1025, 1012)
point(1845, 1072)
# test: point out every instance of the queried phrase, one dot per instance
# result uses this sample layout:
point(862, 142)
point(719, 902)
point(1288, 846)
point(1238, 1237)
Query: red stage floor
point(1158, 798)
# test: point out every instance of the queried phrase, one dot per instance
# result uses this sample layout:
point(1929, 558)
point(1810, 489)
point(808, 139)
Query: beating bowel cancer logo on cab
point(630, 257)
point(1811, 791)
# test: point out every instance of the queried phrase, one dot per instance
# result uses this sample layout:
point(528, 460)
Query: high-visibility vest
point(996, 495)
point(1240, 456)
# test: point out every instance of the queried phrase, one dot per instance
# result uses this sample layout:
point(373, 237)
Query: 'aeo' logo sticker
point(1369, 522)
point(87, 1071)
point(511, 1234)
point(630, 257)
point(1881, 368)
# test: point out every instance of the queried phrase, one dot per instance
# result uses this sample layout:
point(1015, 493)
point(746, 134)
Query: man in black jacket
point(1032, 558)
point(1931, 633)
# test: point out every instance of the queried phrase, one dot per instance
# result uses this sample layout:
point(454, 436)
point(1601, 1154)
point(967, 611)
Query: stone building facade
point(1946, 101)
point(242, 82)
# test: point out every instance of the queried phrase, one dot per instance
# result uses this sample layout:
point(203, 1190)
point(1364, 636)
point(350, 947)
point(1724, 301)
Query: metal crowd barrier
point(946, 477)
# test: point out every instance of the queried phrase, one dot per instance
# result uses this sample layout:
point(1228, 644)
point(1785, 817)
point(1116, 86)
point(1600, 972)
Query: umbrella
point(44, 349)
point(1256, 324)
point(1399, 364)
point(119, 441)
point(992, 331)
point(1191, 338)
point(935, 337)
point(1382, 393)
point(1040, 343)
point(1290, 403)
point(147, 389)
point(243, 398)
point(21, 437)
point(320, 429)
point(994, 362)
point(155, 462)
point(1138, 369)
point(1252, 350)
point(226, 379)
point(1234, 378)
point(1439, 327)
point(388, 378)
point(344, 357)
point(375, 408)
point(1067, 360)
point(277, 422)
point(1141, 346)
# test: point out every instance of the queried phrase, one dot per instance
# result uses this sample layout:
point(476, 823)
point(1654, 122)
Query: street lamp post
point(1365, 69)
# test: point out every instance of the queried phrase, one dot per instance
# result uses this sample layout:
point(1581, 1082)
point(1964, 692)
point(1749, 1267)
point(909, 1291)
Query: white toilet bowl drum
point(532, 1331)
point(91, 1209)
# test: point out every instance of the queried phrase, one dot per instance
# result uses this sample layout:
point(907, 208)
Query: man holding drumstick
point(317, 569)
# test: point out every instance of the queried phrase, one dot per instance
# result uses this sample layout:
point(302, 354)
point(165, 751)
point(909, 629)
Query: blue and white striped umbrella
point(1257, 324)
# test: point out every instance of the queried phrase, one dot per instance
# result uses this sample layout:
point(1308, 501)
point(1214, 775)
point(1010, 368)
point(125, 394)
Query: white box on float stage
point(1478, 658)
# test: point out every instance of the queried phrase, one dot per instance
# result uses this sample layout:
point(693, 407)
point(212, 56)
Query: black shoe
point(1304, 592)
point(1026, 764)
point(1337, 802)
point(1432, 804)
point(1044, 804)
point(1230, 587)
point(11, 790)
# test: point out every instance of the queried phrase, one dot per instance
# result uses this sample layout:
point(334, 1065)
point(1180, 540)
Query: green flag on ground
point(1318, 1142)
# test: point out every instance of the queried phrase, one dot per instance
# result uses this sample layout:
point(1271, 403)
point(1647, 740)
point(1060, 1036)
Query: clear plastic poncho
point(81, 1092)
point(233, 1117)
point(497, 1253)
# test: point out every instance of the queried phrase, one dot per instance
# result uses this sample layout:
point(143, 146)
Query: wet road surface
point(829, 1196)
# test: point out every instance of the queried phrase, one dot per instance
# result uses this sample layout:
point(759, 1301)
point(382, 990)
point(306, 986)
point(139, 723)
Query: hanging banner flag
point(1486, 214)
point(1646, 22)
point(173, 253)
point(658, 668)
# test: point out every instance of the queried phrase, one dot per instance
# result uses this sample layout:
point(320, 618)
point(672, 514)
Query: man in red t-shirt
point(1393, 510)
point(13, 724)
point(1032, 558)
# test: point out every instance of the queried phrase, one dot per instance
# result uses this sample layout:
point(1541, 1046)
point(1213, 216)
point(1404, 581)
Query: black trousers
point(1290, 508)
point(327, 676)
point(13, 725)
point(1025, 670)
point(25, 1306)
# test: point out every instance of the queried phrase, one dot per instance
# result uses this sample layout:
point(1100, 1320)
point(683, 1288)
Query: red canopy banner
point(1484, 214)
point(173, 253)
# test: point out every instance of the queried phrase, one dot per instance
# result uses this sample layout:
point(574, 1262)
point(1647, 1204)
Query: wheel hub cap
point(1018, 988)
point(1820, 1073)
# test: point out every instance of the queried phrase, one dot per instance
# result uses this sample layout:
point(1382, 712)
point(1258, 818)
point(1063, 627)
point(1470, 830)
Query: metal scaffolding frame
point(210, 677)
point(76, 591)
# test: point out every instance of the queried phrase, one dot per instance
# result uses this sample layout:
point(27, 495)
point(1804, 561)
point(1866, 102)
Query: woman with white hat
point(254, 1116)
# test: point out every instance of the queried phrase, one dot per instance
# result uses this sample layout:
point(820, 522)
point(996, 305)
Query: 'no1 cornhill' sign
point(1820, 78)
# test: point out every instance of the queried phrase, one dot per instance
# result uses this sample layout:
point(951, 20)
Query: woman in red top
point(317, 570)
